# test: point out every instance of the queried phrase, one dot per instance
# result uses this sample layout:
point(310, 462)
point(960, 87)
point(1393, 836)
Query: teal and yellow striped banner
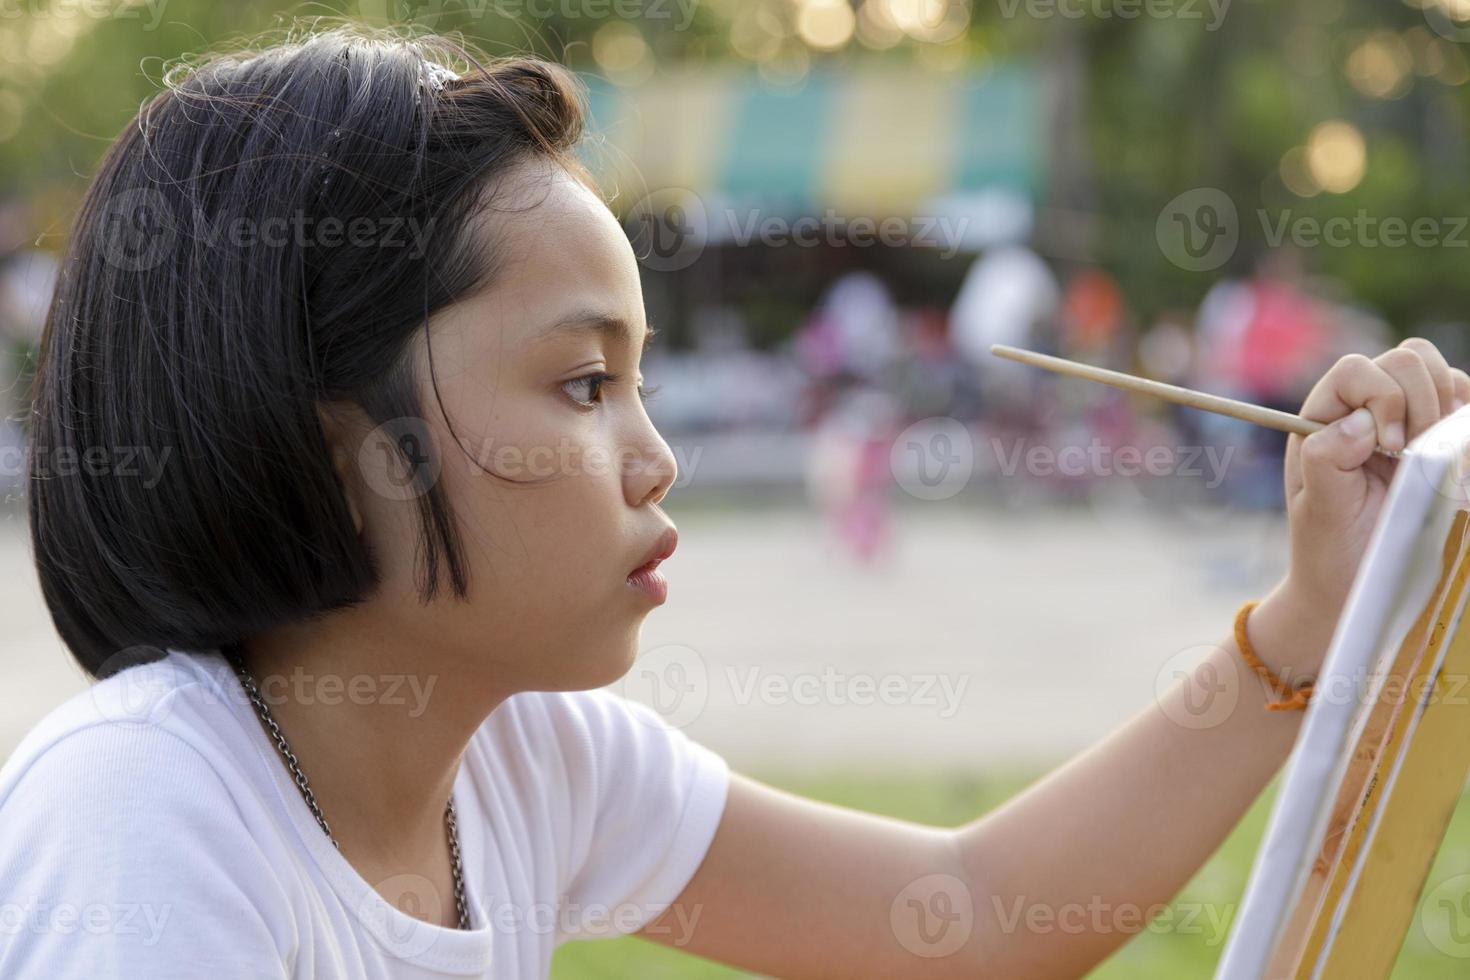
point(879, 140)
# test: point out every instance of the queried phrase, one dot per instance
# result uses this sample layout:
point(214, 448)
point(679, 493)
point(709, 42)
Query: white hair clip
point(438, 75)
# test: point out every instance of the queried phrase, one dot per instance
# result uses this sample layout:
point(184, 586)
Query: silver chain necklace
point(252, 691)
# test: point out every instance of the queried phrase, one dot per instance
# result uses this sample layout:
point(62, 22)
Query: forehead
point(556, 252)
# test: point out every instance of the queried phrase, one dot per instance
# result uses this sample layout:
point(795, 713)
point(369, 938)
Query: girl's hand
point(1336, 483)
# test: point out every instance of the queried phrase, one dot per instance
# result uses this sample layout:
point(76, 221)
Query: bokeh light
point(1336, 156)
point(1296, 174)
point(825, 24)
point(1381, 66)
point(621, 52)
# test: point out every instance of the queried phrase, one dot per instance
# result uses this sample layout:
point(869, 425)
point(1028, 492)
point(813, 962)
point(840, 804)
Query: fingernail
point(1358, 424)
point(1459, 404)
point(1393, 436)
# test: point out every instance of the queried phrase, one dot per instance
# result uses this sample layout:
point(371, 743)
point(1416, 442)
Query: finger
point(1332, 463)
point(1357, 382)
point(1439, 371)
point(1412, 374)
point(1462, 388)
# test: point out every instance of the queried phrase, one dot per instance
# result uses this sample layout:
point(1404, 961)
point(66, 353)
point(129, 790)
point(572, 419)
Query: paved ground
point(992, 638)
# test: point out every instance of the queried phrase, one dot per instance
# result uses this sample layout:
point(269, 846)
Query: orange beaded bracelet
point(1292, 699)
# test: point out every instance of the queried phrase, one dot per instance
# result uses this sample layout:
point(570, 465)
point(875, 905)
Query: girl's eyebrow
point(600, 322)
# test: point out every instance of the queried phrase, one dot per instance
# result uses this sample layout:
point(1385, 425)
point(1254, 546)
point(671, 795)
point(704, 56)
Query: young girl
point(356, 299)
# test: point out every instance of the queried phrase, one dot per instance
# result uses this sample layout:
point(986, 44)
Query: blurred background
point(912, 578)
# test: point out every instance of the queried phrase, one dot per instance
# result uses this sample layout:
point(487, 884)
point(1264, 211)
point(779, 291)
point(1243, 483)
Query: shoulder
point(149, 758)
point(629, 800)
point(124, 806)
point(596, 735)
point(132, 730)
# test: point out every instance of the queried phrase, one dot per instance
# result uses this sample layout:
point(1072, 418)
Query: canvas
point(1384, 749)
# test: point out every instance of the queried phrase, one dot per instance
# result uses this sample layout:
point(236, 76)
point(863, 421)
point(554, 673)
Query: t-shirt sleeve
point(122, 856)
point(646, 802)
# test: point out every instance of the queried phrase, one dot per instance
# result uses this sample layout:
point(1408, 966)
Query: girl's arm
point(1052, 882)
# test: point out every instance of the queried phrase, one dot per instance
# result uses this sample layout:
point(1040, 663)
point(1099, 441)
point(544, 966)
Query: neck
point(377, 733)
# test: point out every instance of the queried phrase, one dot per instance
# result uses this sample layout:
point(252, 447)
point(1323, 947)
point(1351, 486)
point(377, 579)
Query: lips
point(662, 548)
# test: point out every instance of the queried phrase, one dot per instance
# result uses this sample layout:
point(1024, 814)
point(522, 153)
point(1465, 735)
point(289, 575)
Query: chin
point(603, 666)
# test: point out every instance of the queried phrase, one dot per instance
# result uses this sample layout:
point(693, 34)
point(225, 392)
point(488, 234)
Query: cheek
point(552, 532)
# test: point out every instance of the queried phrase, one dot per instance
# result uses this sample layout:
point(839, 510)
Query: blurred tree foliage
point(1148, 107)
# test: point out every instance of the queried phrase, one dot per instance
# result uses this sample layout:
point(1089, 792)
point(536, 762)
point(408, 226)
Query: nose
point(651, 468)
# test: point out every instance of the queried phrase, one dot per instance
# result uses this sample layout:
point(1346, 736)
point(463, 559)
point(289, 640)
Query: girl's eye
point(587, 390)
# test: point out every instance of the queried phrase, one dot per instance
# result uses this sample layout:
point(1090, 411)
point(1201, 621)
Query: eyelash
point(596, 380)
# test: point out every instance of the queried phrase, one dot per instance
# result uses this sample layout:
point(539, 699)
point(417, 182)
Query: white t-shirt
point(150, 830)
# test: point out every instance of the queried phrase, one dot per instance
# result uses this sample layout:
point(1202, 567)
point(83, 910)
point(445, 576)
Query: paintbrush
point(1245, 411)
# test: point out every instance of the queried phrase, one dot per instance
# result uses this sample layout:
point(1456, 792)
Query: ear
point(338, 427)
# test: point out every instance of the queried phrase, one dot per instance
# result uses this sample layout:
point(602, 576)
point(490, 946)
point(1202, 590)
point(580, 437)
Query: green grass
point(1187, 948)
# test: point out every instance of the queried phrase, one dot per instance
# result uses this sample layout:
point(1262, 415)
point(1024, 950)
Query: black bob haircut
point(172, 337)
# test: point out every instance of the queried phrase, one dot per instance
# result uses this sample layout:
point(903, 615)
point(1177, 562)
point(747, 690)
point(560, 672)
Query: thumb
point(1332, 462)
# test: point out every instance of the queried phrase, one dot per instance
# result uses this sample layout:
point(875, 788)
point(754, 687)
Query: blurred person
point(1093, 329)
point(1284, 342)
point(329, 511)
point(932, 379)
point(1092, 319)
point(847, 472)
point(27, 280)
point(1263, 341)
point(1009, 296)
point(853, 330)
point(850, 347)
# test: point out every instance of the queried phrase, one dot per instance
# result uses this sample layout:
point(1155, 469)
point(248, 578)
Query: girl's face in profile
point(552, 468)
